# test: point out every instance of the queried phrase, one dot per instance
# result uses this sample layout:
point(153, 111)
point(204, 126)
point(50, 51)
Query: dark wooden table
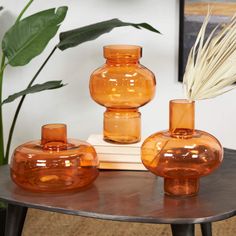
point(132, 197)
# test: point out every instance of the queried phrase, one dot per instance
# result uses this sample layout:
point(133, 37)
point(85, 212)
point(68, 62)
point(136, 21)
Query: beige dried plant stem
point(211, 65)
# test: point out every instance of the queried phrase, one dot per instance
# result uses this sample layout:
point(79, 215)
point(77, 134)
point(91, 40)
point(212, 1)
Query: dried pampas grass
point(211, 65)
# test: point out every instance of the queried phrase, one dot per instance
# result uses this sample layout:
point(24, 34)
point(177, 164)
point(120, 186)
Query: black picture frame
point(181, 40)
point(189, 26)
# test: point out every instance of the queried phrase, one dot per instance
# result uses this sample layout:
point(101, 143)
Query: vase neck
point(122, 54)
point(121, 61)
point(54, 137)
point(181, 117)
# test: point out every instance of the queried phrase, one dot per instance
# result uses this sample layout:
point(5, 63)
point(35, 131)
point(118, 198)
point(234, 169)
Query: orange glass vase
point(181, 154)
point(54, 163)
point(122, 85)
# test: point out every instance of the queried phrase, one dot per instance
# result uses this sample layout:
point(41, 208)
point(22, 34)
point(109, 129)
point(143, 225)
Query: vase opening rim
point(183, 101)
point(122, 51)
point(122, 47)
point(54, 126)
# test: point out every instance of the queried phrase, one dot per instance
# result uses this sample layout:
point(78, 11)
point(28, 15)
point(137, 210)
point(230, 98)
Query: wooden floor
point(221, 9)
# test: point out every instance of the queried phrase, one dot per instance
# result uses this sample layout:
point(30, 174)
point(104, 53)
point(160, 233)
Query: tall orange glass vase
point(181, 154)
point(122, 85)
point(54, 163)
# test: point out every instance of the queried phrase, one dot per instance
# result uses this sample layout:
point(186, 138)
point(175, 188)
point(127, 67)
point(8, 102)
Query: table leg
point(15, 220)
point(206, 229)
point(2, 221)
point(182, 230)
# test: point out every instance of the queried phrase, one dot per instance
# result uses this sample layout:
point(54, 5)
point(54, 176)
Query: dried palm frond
point(211, 65)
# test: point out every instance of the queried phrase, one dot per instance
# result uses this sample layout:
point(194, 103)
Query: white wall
point(73, 105)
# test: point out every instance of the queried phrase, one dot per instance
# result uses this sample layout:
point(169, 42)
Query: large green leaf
point(75, 37)
point(35, 89)
point(28, 38)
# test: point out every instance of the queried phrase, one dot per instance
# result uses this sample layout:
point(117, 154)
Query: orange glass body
point(122, 85)
point(54, 163)
point(181, 154)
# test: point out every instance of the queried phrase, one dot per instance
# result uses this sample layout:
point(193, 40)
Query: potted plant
point(26, 39)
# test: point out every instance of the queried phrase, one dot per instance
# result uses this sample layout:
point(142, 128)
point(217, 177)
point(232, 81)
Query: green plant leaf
point(28, 38)
point(35, 89)
point(75, 37)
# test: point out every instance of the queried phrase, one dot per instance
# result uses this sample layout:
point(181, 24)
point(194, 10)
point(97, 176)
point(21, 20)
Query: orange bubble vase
point(181, 154)
point(122, 85)
point(54, 163)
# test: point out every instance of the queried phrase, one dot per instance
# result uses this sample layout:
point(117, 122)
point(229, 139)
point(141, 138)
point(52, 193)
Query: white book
point(121, 166)
point(102, 146)
point(107, 157)
point(118, 150)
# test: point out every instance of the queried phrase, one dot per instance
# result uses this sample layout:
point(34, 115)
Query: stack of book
point(117, 156)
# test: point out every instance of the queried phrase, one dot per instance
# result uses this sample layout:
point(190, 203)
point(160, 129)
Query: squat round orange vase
point(54, 163)
point(181, 154)
point(122, 85)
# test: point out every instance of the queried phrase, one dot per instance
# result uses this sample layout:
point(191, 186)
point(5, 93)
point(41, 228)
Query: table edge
point(124, 218)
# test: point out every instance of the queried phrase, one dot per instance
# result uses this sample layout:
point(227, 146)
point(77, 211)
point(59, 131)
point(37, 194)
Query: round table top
point(136, 196)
